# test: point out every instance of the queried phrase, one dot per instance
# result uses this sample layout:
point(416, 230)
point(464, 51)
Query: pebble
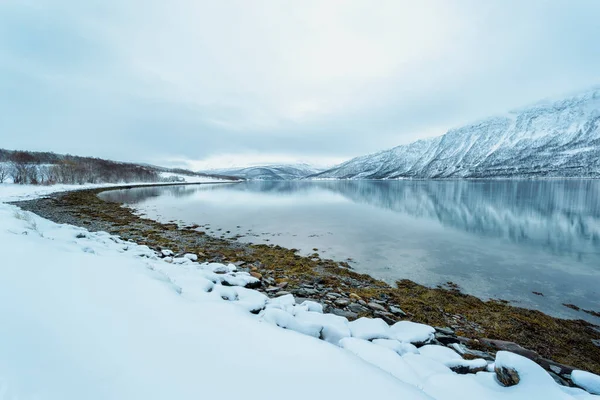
point(344, 313)
point(397, 311)
point(257, 275)
point(376, 306)
point(355, 296)
point(445, 331)
point(357, 308)
point(341, 302)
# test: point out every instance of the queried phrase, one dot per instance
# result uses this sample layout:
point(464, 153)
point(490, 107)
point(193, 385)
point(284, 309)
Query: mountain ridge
point(559, 138)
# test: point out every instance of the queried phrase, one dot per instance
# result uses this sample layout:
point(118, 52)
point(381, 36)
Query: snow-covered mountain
point(550, 139)
point(269, 172)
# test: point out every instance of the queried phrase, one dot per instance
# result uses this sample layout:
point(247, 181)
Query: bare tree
point(23, 169)
point(3, 172)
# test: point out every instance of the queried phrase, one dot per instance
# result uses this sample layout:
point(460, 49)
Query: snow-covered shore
point(88, 316)
point(11, 192)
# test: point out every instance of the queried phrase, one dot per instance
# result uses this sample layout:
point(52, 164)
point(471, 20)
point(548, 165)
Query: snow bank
point(89, 316)
point(112, 324)
point(586, 380)
point(412, 332)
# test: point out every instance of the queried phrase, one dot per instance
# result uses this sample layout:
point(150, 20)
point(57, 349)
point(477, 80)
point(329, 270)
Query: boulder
point(507, 376)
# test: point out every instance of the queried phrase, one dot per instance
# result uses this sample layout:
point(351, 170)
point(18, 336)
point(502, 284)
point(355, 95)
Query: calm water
point(495, 239)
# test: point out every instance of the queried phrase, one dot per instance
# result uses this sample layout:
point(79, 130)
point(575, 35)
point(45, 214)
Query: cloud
point(203, 80)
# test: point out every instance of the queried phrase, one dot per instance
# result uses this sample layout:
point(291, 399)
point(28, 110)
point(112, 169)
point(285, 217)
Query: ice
point(370, 328)
point(586, 380)
point(411, 332)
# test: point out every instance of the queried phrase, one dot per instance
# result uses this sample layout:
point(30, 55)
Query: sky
point(208, 84)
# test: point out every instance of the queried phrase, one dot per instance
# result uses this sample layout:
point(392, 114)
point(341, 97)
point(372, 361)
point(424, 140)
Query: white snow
point(399, 347)
point(369, 328)
point(587, 381)
point(451, 358)
point(411, 332)
point(89, 316)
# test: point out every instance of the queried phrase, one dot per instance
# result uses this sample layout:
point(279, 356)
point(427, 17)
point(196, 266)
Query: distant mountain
point(550, 139)
point(269, 172)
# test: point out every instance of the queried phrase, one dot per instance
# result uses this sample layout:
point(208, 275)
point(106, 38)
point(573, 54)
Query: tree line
point(46, 168)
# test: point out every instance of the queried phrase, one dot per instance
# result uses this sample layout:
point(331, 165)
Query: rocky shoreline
point(477, 328)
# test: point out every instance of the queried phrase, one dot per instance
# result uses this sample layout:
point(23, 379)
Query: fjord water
point(495, 239)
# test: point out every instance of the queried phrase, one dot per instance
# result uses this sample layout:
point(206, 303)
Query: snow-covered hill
point(269, 172)
point(550, 139)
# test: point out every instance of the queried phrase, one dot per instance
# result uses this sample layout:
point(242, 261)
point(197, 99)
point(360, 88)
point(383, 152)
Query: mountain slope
point(554, 139)
point(269, 172)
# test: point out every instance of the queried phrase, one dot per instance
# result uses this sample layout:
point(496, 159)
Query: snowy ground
point(88, 316)
point(11, 192)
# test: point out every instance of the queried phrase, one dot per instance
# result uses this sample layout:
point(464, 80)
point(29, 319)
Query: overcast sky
point(221, 83)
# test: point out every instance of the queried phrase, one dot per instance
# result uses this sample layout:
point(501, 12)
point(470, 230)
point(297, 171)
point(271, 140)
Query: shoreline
point(464, 318)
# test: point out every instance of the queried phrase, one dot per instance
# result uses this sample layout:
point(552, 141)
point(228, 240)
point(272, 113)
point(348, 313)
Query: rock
point(341, 302)
point(397, 311)
point(257, 275)
point(282, 285)
point(469, 366)
point(272, 289)
point(596, 342)
point(511, 347)
point(332, 296)
point(386, 316)
point(357, 308)
point(446, 339)
point(201, 254)
point(354, 296)
point(281, 293)
point(362, 303)
point(344, 313)
point(559, 369)
point(507, 376)
point(270, 280)
point(446, 331)
point(239, 263)
point(253, 284)
point(376, 306)
point(461, 349)
point(558, 379)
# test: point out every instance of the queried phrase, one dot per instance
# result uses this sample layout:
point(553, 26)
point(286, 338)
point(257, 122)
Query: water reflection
point(495, 238)
point(562, 216)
